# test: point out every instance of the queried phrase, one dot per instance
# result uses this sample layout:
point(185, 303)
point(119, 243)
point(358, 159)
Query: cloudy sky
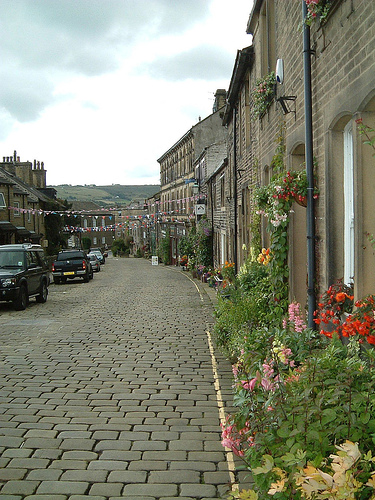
point(100, 89)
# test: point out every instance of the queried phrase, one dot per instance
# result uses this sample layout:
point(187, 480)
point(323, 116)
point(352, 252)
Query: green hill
point(115, 194)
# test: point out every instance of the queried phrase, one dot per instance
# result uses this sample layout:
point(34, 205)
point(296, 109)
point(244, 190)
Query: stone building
point(180, 191)
point(89, 220)
point(24, 199)
point(342, 91)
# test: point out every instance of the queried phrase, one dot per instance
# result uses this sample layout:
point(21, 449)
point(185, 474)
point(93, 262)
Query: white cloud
point(98, 90)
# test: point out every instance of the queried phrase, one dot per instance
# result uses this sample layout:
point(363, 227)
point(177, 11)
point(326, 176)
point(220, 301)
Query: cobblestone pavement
point(107, 390)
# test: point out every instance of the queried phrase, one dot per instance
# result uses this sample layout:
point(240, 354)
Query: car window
point(32, 259)
point(69, 255)
point(12, 259)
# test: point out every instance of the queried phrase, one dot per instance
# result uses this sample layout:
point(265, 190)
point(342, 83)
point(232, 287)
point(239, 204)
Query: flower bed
point(304, 399)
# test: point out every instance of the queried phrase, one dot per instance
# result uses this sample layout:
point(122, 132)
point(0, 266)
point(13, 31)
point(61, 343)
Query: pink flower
point(249, 384)
point(267, 384)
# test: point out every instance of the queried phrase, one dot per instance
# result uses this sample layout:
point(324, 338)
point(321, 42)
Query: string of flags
point(149, 205)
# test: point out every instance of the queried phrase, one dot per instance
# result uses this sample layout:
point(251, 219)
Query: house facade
point(181, 192)
point(342, 55)
point(24, 200)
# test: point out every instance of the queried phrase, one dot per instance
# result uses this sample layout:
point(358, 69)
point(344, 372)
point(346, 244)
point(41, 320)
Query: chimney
point(220, 99)
point(14, 156)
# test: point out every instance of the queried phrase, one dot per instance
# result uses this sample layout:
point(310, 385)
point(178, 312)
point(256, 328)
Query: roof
point(21, 187)
point(242, 63)
point(222, 165)
point(252, 18)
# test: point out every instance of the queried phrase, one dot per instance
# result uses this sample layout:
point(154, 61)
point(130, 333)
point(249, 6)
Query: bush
point(164, 249)
point(86, 243)
point(120, 247)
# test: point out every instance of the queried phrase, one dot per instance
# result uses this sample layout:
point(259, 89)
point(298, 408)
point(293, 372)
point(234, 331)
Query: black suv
point(24, 273)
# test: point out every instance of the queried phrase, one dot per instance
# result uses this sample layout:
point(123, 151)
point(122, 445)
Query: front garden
point(305, 422)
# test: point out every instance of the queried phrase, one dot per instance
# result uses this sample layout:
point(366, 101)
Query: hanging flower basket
point(300, 200)
point(263, 94)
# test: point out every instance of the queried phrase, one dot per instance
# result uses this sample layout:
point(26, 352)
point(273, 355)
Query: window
point(2, 201)
point(94, 221)
point(32, 258)
point(349, 204)
point(103, 240)
point(95, 240)
point(222, 190)
point(16, 208)
point(103, 221)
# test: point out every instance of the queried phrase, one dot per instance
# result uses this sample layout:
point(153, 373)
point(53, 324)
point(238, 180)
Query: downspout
point(212, 220)
point(235, 245)
point(310, 219)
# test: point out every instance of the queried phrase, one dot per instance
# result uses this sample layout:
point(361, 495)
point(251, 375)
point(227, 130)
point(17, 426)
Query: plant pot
point(302, 202)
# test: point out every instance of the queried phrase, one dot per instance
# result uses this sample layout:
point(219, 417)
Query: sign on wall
point(200, 209)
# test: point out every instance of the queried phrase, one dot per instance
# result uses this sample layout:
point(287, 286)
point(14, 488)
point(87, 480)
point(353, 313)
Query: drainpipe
point(212, 221)
point(310, 222)
point(235, 246)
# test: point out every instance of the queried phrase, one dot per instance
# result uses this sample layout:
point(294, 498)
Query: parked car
point(99, 254)
point(95, 262)
point(71, 264)
point(24, 273)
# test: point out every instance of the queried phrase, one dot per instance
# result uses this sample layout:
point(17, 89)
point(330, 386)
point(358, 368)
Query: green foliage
point(186, 244)
point(86, 243)
point(263, 94)
point(121, 246)
point(299, 394)
point(203, 243)
point(54, 225)
point(107, 195)
point(164, 249)
point(243, 308)
point(197, 245)
point(277, 212)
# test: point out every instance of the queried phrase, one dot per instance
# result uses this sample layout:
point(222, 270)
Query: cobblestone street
point(107, 391)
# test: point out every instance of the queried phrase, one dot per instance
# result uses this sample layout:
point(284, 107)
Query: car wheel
point(57, 281)
point(86, 278)
point(21, 301)
point(63, 280)
point(42, 297)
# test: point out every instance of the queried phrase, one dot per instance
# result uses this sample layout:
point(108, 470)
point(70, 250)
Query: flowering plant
point(184, 260)
point(315, 9)
point(362, 320)
point(263, 93)
point(332, 304)
point(264, 257)
point(294, 186)
point(228, 271)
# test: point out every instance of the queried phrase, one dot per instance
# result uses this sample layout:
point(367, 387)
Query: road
point(111, 389)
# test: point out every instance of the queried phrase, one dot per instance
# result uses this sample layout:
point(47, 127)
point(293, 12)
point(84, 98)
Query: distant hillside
point(116, 194)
